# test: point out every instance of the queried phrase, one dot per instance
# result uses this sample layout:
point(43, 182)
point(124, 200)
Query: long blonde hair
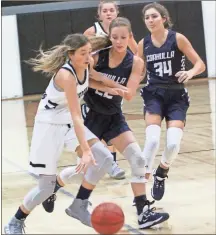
point(50, 61)
point(99, 42)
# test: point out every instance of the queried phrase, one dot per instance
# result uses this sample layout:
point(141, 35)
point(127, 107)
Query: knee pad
point(67, 174)
point(152, 144)
point(103, 159)
point(39, 194)
point(134, 156)
point(174, 136)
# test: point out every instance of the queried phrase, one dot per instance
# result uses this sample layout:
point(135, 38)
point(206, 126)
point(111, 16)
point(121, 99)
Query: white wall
point(15, 144)
point(208, 9)
point(11, 71)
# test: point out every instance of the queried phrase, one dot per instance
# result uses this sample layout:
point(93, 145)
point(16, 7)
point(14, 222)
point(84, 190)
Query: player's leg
point(127, 145)
point(96, 124)
point(103, 157)
point(116, 172)
point(153, 115)
point(44, 154)
point(175, 116)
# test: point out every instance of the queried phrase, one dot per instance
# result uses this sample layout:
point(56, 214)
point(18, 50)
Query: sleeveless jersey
point(53, 107)
point(164, 62)
point(102, 102)
point(99, 30)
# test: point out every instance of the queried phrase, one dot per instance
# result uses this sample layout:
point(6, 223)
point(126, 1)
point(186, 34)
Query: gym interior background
point(28, 24)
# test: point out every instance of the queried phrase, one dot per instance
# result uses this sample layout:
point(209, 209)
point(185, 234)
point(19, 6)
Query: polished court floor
point(190, 188)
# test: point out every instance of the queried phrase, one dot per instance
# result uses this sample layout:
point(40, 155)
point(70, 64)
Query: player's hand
point(121, 92)
point(117, 91)
point(184, 76)
point(112, 91)
point(86, 160)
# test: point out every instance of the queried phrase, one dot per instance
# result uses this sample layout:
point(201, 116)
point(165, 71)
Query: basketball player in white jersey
point(59, 124)
point(107, 11)
point(107, 121)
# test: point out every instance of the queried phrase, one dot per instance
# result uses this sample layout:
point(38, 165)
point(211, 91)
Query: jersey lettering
point(164, 67)
point(104, 94)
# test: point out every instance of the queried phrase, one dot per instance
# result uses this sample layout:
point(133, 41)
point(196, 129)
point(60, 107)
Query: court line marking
point(67, 193)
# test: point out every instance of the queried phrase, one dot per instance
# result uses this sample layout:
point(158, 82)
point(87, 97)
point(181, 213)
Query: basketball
point(107, 218)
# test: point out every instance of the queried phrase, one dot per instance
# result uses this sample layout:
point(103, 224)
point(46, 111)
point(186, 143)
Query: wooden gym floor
point(190, 188)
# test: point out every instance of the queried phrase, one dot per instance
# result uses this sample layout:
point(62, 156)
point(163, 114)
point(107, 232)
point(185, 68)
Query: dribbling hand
point(86, 160)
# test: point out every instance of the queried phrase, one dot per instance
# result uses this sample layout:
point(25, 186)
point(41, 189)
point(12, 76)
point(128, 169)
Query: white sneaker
point(116, 172)
point(15, 226)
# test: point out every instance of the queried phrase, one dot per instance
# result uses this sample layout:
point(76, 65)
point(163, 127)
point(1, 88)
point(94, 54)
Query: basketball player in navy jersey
point(164, 51)
point(107, 11)
point(106, 120)
point(58, 123)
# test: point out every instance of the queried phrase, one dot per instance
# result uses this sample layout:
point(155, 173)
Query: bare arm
point(101, 78)
point(140, 49)
point(67, 82)
point(132, 44)
point(90, 31)
point(140, 53)
point(187, 49)
point(135, 78)
point(99, 86)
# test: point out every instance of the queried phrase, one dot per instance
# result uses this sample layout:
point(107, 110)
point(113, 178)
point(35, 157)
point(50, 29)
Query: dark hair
point(163, 12)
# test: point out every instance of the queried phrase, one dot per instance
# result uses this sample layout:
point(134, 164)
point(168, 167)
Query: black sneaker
point(158, 188)
point(149, 218)
point(48, 204)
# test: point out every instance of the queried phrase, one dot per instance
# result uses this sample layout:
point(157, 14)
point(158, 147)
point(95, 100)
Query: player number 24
point(164, 67)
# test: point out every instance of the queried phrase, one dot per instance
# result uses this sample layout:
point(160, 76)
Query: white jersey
point(99, 30)
point(53, 107)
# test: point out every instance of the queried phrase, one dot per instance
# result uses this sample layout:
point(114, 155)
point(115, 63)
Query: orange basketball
point(107, 218)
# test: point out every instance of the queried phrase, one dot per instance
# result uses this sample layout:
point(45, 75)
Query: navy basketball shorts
point(106, 127)
point(171, 104)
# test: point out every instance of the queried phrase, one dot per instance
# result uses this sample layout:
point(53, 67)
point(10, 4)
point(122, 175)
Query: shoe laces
point(159, 183)
point(115, 168)
point(149, 211)
point(17, 226)
point(85, 204)
point(23, 227)
point(52, 198)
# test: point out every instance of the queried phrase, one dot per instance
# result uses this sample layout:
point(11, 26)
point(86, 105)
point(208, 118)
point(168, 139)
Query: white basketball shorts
point(48, 142)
